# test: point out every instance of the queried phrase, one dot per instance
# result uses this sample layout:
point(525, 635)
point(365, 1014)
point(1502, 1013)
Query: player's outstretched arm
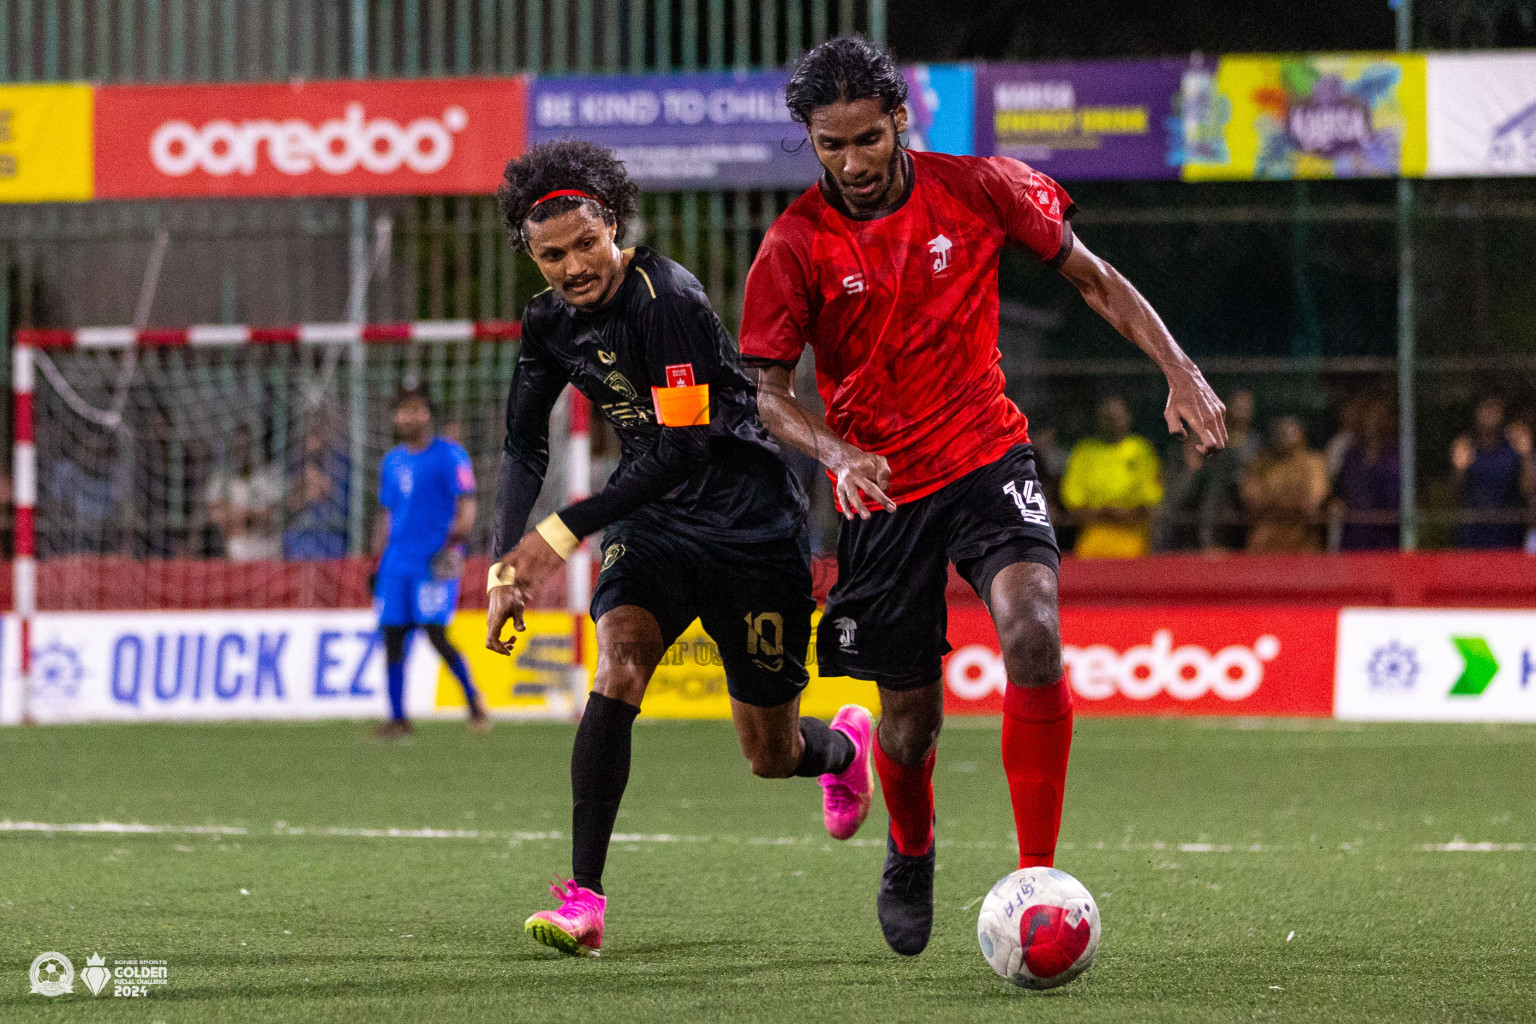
point(1191, 402)
point(859, 473)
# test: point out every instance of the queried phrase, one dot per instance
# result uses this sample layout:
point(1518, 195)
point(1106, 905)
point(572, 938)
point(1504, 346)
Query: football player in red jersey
point(887, 268)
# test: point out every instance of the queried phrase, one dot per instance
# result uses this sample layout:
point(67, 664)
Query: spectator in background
point(1284, 489)
point(1050, 462)
point(243, 503)
point(1492, 478)
point(1367, 482)
point(319, 486)
point(1205, 508)
point(84, 491)
point(1113, 482)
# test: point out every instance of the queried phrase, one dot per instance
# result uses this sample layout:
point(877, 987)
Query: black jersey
point(723, 479)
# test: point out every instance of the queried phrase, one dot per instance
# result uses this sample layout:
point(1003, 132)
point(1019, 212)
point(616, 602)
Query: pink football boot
point(576, 929)
point(846, 796)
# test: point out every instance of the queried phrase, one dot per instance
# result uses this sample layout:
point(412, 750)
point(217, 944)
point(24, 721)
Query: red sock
point(1037, 737)
point(908, 790)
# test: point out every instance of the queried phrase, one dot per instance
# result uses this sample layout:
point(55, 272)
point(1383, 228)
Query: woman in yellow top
point(1113, 482)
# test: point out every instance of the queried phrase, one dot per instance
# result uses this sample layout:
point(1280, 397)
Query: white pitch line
point(283, 829)
point(121, 828)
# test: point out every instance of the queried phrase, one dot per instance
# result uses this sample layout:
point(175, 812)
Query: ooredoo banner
point(1437, 665)
point(418, 137)
point(1163, 661)
point(1482, 114)
point(1081, 119)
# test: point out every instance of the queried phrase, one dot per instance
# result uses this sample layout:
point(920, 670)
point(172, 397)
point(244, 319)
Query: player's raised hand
point(1192, 405)
point(861, 474)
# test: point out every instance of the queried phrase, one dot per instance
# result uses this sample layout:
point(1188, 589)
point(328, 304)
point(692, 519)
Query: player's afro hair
point(842, 70)
point(568, 163)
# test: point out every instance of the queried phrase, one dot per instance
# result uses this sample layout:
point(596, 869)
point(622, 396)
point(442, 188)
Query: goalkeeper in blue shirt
point(427, 488)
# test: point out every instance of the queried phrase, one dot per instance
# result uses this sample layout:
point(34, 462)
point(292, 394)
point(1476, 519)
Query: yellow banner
point(1310, 116)
point(689, 682)
point(45, 143)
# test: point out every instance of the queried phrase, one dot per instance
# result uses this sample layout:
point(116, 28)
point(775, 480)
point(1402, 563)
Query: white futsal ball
point(1039, 928)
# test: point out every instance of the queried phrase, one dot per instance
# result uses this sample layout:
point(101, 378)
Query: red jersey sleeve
point(775, 314)
point(1033, 207)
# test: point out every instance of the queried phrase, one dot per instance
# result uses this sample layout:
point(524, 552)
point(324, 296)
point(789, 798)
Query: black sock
point(826, 749)
point(599, 773)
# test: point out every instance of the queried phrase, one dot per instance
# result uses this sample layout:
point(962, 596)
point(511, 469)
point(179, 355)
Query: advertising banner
point(690, 681)
point(185, 666)
point(1307, 116)
point(1162, 661)
point(45, 143)
point(1081, 119)
point(941, 102)
point(534, 682)
point(416, 137)
point(703, 130)
point(1482, 114)
point(1471, 665)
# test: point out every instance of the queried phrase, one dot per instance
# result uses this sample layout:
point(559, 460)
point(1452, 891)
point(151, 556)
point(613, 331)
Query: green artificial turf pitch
point(1245, 871)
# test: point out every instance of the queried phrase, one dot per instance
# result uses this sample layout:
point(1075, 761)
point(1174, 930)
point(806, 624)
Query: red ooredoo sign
point(420, 137)
point(1178, 660)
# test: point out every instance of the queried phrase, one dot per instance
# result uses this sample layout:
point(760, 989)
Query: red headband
point(567, 192)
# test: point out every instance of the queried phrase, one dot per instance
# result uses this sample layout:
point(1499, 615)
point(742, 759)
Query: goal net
point(228, 467)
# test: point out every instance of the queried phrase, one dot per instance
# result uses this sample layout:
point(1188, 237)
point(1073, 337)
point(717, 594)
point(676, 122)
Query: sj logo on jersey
point(680, 375)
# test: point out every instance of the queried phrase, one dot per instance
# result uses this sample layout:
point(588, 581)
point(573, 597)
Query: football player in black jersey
point(702, 518)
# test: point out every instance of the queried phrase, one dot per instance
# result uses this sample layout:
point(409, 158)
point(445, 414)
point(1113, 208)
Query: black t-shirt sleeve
point(536, 385)
point(681, 338)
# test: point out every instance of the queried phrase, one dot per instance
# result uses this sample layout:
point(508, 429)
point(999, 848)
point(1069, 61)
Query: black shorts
point(886, 617)
point(754, 600)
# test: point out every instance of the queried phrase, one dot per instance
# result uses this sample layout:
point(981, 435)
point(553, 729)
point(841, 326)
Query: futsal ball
point(1039, 928)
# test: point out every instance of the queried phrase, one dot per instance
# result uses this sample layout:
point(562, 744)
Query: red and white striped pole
point(578, 581)
point(24, 480)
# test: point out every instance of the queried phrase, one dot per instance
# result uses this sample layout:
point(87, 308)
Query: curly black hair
point(568, 163)
point(842, 70)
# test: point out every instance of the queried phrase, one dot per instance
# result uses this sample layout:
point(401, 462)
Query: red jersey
point(901, 311)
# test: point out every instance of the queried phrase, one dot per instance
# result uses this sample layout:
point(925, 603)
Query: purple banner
point(1080, 119)
point(703, 130)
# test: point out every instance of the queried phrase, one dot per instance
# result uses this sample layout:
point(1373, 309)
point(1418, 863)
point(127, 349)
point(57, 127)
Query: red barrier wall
point(1433, 579)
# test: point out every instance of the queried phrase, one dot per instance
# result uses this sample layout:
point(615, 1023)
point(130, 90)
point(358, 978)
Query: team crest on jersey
point(846, 628)
point(1026, 494)
point(940, 247)
point(680, 375)
point(612, 553)
point(618, 382)
point(1045, 198)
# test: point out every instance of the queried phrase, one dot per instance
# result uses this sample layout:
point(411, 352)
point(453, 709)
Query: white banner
point(201, 666)
point(1462, 665)
point(1482, 114)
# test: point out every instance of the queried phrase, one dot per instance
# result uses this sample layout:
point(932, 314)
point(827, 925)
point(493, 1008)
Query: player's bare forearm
point(380, 533)
point(792, 423)
point(859, 473)
point(463, 519)
point(1190, 399)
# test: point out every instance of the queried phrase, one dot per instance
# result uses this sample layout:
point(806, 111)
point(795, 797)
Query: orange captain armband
point(682, 407)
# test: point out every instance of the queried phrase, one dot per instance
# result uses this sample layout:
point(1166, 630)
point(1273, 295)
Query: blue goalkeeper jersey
point(421, 491)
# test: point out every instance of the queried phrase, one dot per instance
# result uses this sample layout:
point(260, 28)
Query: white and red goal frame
point(24, 454)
